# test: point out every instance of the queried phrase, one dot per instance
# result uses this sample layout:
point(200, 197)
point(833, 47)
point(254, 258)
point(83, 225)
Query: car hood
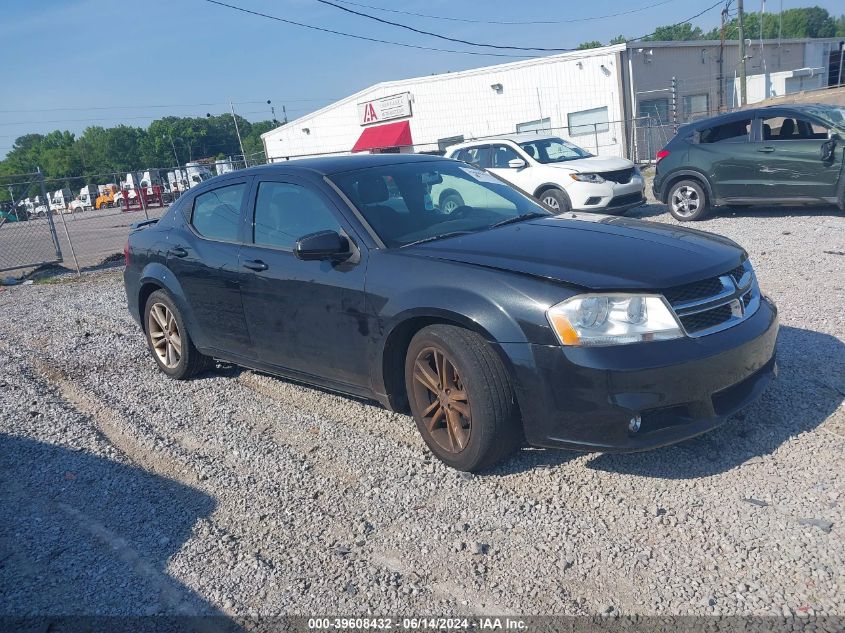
point(598, 252)
point(593, 164)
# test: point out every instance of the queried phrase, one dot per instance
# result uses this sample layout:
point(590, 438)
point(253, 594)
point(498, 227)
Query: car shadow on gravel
point(806, 392)
point(81, 535)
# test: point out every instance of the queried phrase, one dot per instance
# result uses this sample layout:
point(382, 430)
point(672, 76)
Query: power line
point(506, 22)
point(361, 37)
point(442, 37)
point(144, 107)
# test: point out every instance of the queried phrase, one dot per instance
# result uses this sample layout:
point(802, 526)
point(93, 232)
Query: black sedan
point(494, 324)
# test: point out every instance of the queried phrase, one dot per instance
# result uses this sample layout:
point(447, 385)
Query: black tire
point(688, 201)
point(449, 201)
point(555, 200)
point(495, 429)
point(191, 361)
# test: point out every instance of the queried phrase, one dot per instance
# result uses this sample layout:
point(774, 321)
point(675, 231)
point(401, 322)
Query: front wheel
point(555, 200)
point(688, 201)
point(168, 339)
point(461, 398)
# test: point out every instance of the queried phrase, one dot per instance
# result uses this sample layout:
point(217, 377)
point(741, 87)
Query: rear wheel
point(555, 200)
point(168, 339)
point(688, 201)
point(461, 398)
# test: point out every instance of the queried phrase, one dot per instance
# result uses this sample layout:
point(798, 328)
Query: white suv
point(558, 173)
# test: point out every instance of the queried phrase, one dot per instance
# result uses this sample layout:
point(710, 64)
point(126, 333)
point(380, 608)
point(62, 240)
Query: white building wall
point(465, 104)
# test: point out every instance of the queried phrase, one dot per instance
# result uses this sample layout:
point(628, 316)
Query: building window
point(655, 109)
point(588, 121)
point(696, 106)
point(534, 126)
point(443, 143)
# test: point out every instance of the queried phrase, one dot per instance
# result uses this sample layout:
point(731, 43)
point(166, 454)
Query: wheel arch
point(552, 185)
point(154, 277)
point(391, 368)
point(686, 174)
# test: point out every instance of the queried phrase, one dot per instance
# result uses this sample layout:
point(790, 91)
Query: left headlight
point(594, 178)
point(613, 319)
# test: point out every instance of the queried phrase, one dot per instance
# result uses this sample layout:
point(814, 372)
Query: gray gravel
point(124, 492)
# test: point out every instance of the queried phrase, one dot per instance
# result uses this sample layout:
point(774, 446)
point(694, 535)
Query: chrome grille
point(714, 304)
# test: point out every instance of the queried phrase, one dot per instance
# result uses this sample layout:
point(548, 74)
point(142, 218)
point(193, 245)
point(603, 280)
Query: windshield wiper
point(519, 218)
point(436, 237)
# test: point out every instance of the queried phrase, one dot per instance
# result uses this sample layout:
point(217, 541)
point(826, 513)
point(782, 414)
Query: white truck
point(197, 173)
point(60, 200)
point(87, 199)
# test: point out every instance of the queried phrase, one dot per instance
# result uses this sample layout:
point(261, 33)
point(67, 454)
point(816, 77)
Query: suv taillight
point(662, 154)
point(126, 254)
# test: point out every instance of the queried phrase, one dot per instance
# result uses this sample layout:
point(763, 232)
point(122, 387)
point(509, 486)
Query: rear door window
point(733, 132)
point(216, 213)
point(478, 156)
point(792, 128)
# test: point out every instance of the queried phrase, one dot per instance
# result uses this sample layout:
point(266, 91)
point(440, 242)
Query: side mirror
point(827, 150)
point(516, 163)
point(322, 245)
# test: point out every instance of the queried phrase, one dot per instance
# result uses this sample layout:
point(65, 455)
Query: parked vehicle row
point(493, 322)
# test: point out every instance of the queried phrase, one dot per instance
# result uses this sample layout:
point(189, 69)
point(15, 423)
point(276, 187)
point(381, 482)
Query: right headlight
point(593, 178)
point(613, 319)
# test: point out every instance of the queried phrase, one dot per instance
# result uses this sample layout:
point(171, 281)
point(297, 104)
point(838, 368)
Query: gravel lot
point(239, 493)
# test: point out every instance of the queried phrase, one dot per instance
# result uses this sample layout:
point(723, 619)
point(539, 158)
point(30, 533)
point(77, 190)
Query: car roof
point(516, 137)
point(327, 165)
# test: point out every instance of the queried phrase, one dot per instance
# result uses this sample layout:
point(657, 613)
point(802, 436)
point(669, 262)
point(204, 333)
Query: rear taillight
point(126, 253)
point(662, 154)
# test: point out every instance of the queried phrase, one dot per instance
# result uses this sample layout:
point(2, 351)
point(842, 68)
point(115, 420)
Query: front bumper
point(584, 398)
point(606, 196)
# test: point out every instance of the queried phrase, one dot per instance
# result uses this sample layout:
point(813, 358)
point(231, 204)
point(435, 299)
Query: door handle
point(766, 149)
point(255, 264)
point(178, 251)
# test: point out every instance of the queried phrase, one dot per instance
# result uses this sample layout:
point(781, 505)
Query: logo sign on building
point(385, 109)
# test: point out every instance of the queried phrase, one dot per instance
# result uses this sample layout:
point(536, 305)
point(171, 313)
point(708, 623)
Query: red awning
point(384, 136)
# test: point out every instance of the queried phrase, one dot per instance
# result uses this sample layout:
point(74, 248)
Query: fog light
point(634, 424)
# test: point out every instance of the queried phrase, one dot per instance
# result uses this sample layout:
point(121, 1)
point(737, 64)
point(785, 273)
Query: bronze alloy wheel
point(442, 400)
point(164, 335)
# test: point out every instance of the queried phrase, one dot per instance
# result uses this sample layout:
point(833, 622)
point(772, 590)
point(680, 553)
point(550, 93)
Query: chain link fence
point(28, 236)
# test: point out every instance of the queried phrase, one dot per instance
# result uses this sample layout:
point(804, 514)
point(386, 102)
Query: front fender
point(409, 292)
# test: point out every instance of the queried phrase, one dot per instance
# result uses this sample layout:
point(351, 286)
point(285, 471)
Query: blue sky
point(68, 64)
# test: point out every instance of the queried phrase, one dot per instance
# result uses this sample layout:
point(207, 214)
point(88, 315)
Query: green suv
point(772, 155)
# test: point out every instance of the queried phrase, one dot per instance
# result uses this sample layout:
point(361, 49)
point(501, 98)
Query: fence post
point(53, 228)
point(596, 137)
point(142, 193)
point(674, 104)
point(49, 217)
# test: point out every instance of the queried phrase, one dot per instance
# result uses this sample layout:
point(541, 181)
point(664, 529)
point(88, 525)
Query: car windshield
point(418, 201)
point(553, 150)
point(833, 115)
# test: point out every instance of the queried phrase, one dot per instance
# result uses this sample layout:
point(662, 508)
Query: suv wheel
point(461, 398)
point(555, 200)
point(688, 201)
point(169, 341)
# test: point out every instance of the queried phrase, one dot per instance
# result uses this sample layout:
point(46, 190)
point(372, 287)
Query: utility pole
point(743, 95)
point(722, 62)
point(238, 132)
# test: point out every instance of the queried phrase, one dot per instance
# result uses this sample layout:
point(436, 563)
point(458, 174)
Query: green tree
point(675, 33)
point(586, 45)
point(619, 39)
